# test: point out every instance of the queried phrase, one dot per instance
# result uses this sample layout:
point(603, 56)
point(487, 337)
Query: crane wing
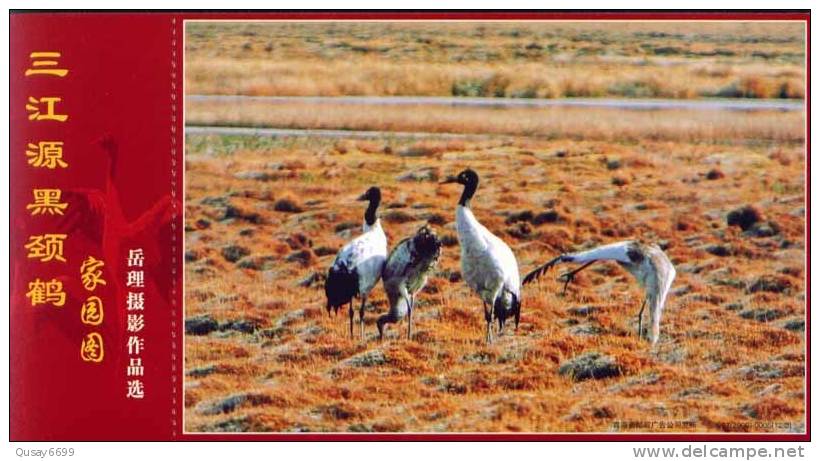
point(620, 251)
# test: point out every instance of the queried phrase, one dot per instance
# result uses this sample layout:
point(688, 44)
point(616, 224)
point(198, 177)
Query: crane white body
point(366, 254)
point(488, 265)
point(358, 266)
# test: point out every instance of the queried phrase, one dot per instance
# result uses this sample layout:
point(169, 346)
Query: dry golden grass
point(557, 122)
point(537, 60)
point(277, 363)
point(264, 219)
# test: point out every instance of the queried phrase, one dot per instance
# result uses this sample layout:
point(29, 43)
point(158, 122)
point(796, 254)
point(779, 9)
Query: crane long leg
point(640, 319)
point(488, 317)
point(492, 320)
point(517, 312)
point(569, 276)
point(502, 319)
point(350, 312)
point(410, 305)
point(361, 316)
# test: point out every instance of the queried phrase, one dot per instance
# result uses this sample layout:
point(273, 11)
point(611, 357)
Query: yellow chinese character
point(47, 66)
point(46, 154)
point(47, 201)
point(46, 247)
point(91, 273)
point(34, 104)
point(92, 311)
point(41, 292)
point(91, 349)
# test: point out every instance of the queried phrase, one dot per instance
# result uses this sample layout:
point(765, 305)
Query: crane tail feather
point(540, 270)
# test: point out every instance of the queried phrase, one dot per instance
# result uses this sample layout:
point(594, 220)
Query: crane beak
point(449, 180)
point(363, 197)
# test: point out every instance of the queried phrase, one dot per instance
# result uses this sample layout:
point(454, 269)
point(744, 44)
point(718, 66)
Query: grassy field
point(536, 60)
point(265, 217)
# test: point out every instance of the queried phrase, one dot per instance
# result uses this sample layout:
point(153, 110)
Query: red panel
point(117, 95)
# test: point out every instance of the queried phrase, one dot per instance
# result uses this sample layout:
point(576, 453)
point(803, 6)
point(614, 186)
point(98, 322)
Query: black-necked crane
point(405, 274)
point(359, 264)
point(488, 265)
point(646, 262)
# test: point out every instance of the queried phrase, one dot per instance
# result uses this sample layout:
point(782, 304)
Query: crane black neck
point(467, 194)
point(370, 214)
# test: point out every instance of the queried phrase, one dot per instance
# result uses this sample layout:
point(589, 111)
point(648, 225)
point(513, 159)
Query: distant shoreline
point(740, 104)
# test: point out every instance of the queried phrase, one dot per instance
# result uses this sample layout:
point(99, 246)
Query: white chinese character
point(135, 258)
point(135, 345)
point(135, 279)
point(135, 367)
point(136, 301)
point(136, 390)
point(136, 323)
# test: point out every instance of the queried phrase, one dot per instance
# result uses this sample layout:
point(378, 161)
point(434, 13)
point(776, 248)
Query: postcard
point(409, 226)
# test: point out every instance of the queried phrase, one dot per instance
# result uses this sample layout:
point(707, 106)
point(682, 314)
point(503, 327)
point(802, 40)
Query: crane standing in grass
point(359, 264)
point(487, 264)
point(647, 263)
point(405, 274)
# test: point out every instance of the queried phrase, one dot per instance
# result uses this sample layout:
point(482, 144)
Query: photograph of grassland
point(689, 136)
point(514, 60)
